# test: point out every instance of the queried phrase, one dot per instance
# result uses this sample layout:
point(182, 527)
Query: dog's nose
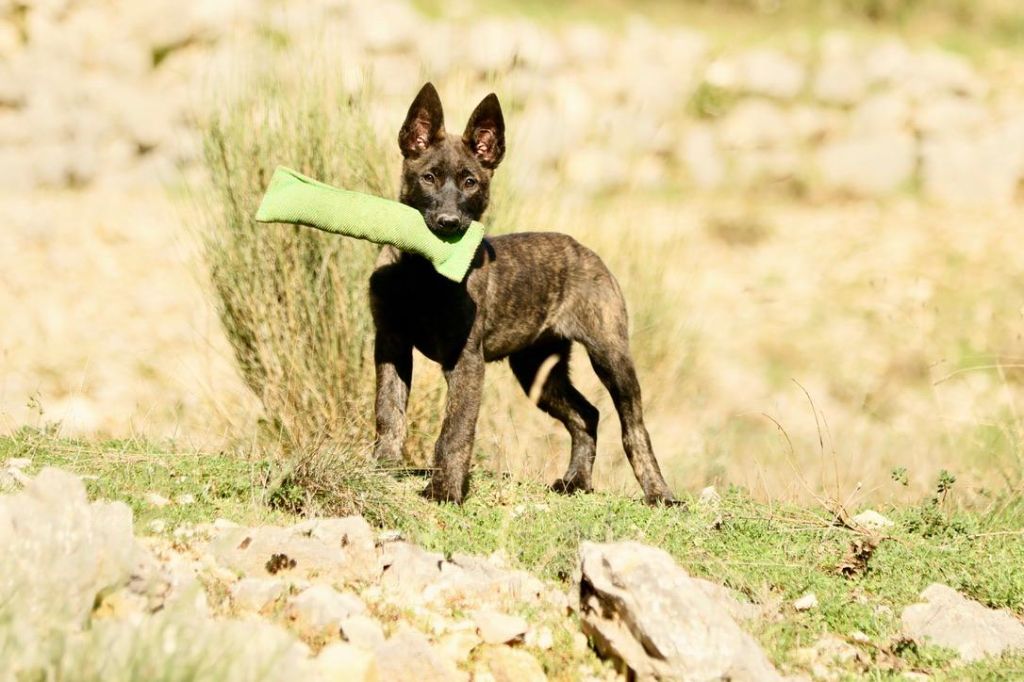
point(448, 221)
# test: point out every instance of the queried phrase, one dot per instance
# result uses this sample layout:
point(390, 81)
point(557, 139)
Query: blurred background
point(814, 209)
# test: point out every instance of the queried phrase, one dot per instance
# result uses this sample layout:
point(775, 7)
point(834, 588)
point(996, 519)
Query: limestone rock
point(362, 631)
point(949, 619)
point(868, 165)
point(641, 608)
point(321, 609)
point(499, 628)
point(341, 661)
point(511, 665)
point(869, 518)
point(806, 602)
point(254, 594)
point(340, 550)
point(408, 657)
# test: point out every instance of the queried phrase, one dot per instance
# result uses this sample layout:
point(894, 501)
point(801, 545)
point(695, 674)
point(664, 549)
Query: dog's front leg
point(454, 447)
point(393, 362)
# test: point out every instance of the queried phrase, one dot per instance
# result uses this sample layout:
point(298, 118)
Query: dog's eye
point(428, 178)
point(469, 182)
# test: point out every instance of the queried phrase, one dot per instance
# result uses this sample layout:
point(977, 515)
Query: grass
point(772, 553)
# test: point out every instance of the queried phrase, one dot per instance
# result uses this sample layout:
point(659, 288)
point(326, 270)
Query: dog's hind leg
point(543, 372)
point(607, 343)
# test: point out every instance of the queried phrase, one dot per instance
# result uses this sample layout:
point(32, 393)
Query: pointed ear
point(424, 124)
point(485, 132)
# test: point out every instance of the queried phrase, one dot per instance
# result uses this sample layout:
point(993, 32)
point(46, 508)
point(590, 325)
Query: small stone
point(499, 628)
point(807, 602)
point(363, 631)
point(157, 525)
point(342, 661)
point(321, 608)
point(949, 619)
point(709, 497)
point(156, 500)
point(408, 657)
point(185, 499)
point(541, 638)
point(255, 594)
point(869, 518)
point(457, 646)
point(512, 665)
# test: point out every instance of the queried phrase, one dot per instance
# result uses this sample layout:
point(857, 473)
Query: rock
point(458, 645)
point(320, 609)
point(726, 599)
point(185, 499)
point(408, 657)
point(639, 607)
point(408, 569)
point(755, 124)
point(341, 661)
point(255, 594)
point(868, 165)
point(710, 498)
point(975, 169)
point(703, 159)
point(886, 112)
point(338, 550)
point(363, 631)
point(869, 518)
point(807, 602)
point(764, 71)
point(950, 116)
point(499, 628)
point(475, 581)
point(156, 500)
point(831, 657)
point(949, 619)
point(840, 80)
point(540, 638)
point(61, 551)
point(511, 665)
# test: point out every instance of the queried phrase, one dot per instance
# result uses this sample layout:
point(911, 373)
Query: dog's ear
point(485, 132)
point(424, 124)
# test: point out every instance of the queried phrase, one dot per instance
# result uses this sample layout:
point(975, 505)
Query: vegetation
point(772, 553)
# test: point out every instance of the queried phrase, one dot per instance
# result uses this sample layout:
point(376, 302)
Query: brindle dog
point(527, 297)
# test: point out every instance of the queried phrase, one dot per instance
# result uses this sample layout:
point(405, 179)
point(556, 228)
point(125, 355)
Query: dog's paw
point(436, 492)
point(570, 486)
point(663, 500)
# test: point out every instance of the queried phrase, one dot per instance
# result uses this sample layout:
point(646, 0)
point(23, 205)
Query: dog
point(527, 298)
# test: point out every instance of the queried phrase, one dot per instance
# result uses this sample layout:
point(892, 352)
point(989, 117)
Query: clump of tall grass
point(292, 301)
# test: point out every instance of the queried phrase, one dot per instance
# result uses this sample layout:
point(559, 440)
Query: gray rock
point(511, 665)
point(949, 619)
point(321, 609)
point(755, 124)
point(703, 159)
point(339, 550)
point(341, 661)
point(362, 630)
point(868, 165)
point(641, 608)
point(840, 80)
point(408, 657)
point(769, 72)
point(975, 169)
point(254, 594)
point(409, 569)
point(499, 628)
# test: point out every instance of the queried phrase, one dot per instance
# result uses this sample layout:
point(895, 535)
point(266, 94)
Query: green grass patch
point(770, 552)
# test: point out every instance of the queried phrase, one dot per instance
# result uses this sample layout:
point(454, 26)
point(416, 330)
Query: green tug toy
point(294, 198)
